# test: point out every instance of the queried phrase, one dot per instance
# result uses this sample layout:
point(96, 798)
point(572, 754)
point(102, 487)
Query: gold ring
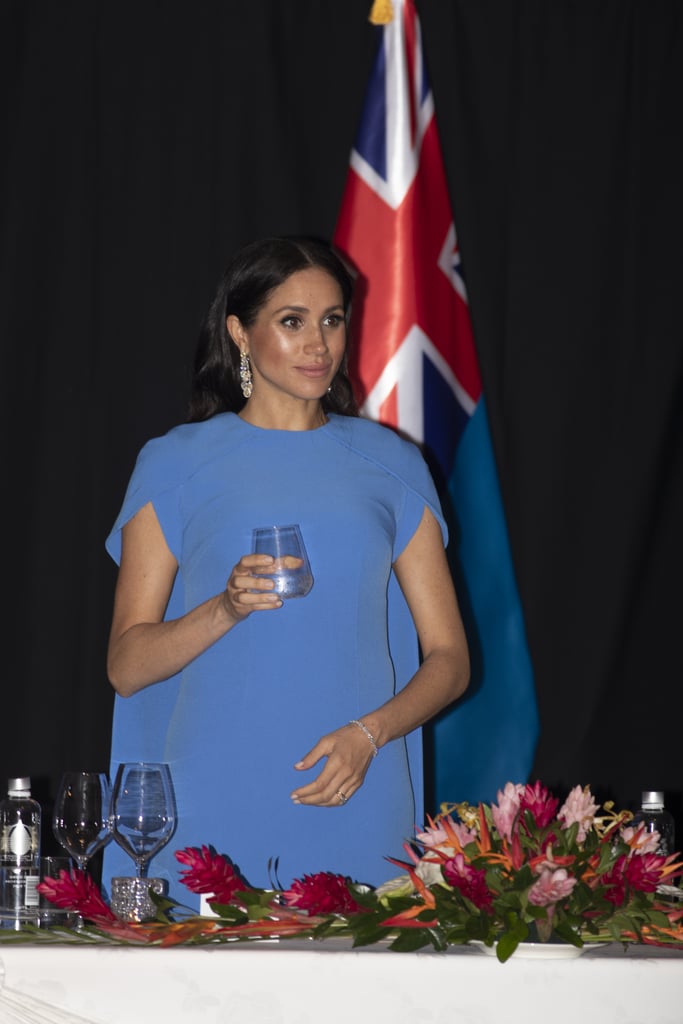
point(342, 797)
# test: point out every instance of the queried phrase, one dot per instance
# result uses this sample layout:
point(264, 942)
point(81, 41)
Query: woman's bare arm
point(143, 649)
point(424, 575)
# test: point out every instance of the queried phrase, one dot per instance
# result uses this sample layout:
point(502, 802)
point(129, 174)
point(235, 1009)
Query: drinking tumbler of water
point(281, 542)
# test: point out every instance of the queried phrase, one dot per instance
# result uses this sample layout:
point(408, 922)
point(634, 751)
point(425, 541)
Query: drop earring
point(245, 375)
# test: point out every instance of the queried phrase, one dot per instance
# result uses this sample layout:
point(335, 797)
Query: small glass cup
point(49, 914)
point(281, 541)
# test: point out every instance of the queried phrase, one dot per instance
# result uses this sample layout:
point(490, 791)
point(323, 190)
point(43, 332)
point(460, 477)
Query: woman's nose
point(315, 340)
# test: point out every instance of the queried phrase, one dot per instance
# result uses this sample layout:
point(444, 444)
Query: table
point(307, 982)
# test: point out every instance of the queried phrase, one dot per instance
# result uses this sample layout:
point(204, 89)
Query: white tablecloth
point(303, 982)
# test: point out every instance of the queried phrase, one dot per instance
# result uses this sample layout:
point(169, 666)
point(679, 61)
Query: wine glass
point(280, 541)
point(80, 821)
point(143, 810)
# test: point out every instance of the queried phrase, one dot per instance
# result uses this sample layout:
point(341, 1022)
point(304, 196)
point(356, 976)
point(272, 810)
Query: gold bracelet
point(364, 728)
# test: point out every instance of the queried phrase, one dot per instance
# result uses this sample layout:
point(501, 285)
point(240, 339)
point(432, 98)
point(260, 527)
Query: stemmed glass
point(81, 822)
point(143, 810)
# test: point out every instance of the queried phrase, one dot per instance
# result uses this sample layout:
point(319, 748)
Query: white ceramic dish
point(542, 950)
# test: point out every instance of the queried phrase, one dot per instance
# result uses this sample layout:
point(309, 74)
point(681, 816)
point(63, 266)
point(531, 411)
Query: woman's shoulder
point(395, 455)
point(183, 448)
point(187, 435)
point(374, 440)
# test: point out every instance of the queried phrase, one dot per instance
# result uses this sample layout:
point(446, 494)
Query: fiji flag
point(415, 366)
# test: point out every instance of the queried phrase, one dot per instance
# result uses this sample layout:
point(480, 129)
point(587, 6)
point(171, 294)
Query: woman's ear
point(237, 332)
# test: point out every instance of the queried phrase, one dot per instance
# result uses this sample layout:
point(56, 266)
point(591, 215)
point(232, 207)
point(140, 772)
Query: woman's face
point(297, 341)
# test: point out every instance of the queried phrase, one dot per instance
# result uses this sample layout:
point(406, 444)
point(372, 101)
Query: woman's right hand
point(246, 592)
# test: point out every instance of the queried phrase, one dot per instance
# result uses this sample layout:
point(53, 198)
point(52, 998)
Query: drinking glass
point(143, 810)
point(49, 914)
point(80, 820)
point(280, 541)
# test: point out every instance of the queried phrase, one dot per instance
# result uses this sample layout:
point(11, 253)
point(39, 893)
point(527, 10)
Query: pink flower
point(639, 840)
point(550, 887)
point(210, 872)
point(470, 881)
point(434, 837)
point(579, 807)
point(505, 812)
point(324, 893)
point(77, 891)
point(465, 835)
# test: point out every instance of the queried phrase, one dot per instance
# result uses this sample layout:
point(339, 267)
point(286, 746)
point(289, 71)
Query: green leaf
point(567, 934)
point(516, 932)
point(506, 946)
point(229, 912)
point(410, 939)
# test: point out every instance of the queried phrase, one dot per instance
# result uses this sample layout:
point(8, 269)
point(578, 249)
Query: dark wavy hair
point(250, 277)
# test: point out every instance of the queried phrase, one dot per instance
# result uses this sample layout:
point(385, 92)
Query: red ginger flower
point(77, 891)
point(615, 884)
point(210, 873)
point(324, 893)
point(540, 802)
point(645, 871)
point(470, 881)
point(642, 872)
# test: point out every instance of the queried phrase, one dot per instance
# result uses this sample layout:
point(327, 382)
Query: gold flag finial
point(382, 12)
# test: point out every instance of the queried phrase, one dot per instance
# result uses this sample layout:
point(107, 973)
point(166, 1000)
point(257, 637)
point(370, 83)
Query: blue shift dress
point(234, 722)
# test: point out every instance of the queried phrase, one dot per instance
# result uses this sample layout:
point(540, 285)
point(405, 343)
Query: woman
point(270, 713)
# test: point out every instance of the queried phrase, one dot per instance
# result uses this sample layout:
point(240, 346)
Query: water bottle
point(656, 818)
point(20, 818)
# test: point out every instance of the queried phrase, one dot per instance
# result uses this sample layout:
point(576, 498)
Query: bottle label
point(31, 897)
point(18, 841)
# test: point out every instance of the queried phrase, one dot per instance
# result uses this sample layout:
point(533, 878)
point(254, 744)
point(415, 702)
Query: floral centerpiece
point(500, 874)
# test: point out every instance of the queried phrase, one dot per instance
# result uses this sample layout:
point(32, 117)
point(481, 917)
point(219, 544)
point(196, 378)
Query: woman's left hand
point(348, 755)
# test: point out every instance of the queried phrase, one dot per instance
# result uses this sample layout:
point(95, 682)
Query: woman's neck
point(299, 416)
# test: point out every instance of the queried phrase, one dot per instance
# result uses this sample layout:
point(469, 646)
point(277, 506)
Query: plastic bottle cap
point(22, 785)
point(653, 798)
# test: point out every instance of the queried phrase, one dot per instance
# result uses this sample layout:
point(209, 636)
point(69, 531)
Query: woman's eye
point(333, 320)
point(291, 321)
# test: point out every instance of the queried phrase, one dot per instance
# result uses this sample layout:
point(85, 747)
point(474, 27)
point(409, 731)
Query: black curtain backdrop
point(143, 142)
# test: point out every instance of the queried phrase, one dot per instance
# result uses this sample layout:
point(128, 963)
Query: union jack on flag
point(396, 226)
point(415, 367)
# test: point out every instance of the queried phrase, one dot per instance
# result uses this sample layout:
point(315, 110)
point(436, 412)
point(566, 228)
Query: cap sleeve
point(420, 493)
point(403, 460)
point(154, 479)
